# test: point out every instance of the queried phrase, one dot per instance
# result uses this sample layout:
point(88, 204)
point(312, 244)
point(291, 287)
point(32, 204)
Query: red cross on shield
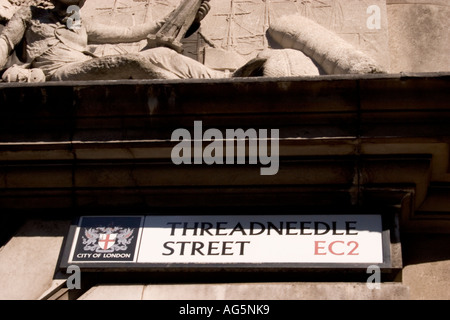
point(107, 240)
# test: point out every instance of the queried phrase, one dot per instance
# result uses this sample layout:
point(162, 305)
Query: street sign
point(227, 241)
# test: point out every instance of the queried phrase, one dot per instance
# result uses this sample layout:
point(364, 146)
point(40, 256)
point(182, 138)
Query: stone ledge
point(247, 291)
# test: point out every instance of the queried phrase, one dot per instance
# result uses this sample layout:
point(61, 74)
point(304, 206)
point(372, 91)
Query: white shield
point(107, 240)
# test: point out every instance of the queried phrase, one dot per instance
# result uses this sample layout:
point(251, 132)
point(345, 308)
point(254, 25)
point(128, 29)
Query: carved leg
point(327, 49)
point(114, 67)
point(158, 63)
point(181, 66)
point(278, 63)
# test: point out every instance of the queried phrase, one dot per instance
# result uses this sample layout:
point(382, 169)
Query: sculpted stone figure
point(307, 49)
point(54, 51)
point(61, 53)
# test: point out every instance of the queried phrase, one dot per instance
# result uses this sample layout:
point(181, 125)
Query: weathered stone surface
point(427, 266)
point(287, 62)
point(250, 291)
point(419, 37)
point(239, 27)
point(220, 59)
point(28, 260)
point(332, 53)
point(409, 34)
point(6, 10)
point(30, 2)
point(125, 13)
point(62, 54)
point(178, 23)
point(9, 7)
point(131, 292)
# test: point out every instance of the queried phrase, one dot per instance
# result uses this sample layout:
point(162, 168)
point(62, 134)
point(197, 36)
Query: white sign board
point(262, 239)
point(227, 239)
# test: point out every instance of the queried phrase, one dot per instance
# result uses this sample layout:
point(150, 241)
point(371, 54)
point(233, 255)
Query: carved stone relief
point(236, 33)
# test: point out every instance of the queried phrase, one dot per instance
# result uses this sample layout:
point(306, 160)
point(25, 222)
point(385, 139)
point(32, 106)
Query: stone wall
point(419, 36)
